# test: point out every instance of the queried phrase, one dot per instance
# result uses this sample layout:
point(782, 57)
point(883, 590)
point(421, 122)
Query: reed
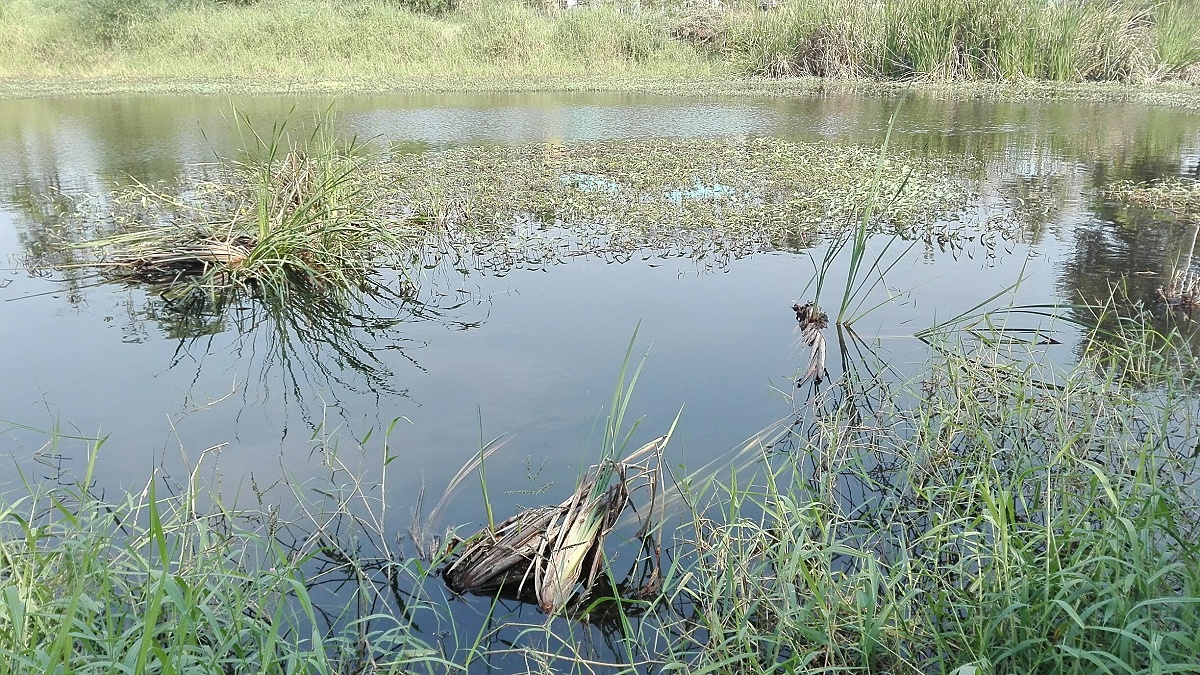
point(968, 39)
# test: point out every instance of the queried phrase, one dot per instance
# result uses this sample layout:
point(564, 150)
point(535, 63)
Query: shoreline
point(1172, 94)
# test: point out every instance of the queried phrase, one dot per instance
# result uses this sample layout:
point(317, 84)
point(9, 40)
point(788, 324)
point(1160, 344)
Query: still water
point(536, 352)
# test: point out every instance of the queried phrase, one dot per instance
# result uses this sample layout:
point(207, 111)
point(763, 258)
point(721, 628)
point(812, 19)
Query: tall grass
point(308, 39)
point(988, 517)
point(1127, 40)
point(969, 39)
point(147, 583)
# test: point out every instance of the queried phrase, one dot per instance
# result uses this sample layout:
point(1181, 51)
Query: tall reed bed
point(969, 39)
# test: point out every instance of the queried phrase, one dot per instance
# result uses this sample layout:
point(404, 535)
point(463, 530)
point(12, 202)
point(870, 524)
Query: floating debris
point(543, 555)
point(1183, 291)
point(812, 321)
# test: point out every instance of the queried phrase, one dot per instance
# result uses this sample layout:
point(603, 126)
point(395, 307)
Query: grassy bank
point(277, 43)
point(991, 515)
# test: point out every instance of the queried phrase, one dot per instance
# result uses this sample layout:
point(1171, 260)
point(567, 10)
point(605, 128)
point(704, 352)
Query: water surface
point(535, 352)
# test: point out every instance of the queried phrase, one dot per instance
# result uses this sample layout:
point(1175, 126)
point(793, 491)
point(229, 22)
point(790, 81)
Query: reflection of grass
point(312, 339)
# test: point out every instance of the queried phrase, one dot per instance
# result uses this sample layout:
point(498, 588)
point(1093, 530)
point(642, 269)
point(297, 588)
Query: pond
point(532, 353)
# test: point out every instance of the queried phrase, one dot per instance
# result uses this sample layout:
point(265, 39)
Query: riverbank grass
point(992, 516)
point(311, 41)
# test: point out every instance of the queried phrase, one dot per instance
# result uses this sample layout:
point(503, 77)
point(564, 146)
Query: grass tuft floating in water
point(1177, 196)
point(294, 214)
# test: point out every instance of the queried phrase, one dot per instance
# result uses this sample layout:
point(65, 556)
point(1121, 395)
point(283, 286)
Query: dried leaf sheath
point(543, 554)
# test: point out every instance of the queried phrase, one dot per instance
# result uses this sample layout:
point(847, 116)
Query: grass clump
point(151, 583)
point(1178, 196)
point(173, 577)
point(296, 215)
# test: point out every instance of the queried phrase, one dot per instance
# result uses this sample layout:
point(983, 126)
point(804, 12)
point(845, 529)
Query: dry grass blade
point(495, 558)
point(543, 554)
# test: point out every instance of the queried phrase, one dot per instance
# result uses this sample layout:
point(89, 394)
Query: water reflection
point(1038, 167)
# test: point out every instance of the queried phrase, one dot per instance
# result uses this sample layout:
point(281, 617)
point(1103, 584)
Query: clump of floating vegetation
point(696, 197)
point(322, 212)
point(293, 214)
point(1177, 195)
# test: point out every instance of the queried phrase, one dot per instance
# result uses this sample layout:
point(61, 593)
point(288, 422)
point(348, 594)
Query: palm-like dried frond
point(812, 321)
point(543, 554)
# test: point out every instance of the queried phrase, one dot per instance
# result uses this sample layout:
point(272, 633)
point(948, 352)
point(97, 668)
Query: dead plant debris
point(544, 554)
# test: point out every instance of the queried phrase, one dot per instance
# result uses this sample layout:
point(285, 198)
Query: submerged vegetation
point(1177, 196)
point(692, 197)
point(315, 40)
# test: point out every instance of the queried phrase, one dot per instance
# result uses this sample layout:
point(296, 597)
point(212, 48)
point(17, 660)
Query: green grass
point(146, 583)
point(280, 43)
point(977, 517)
point(314, 40)
point(969, 39)
point(294, 215)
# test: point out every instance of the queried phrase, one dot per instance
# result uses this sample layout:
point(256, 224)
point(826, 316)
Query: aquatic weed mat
point(498, 207)
point(1177, 196)
point(696, 197)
